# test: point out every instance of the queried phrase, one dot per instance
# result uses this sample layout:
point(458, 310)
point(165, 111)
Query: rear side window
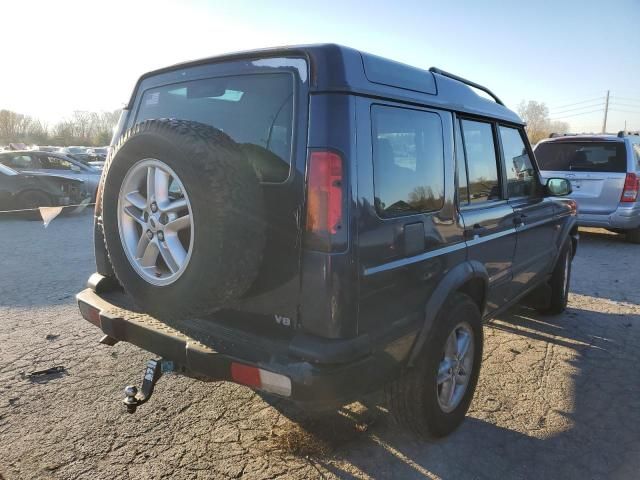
point(408, 161)
point(482, 164)
point(636, 153)
point(21, 161)
point(55, 163)
point(582, 156)
point(256, 111)
point(521, 176)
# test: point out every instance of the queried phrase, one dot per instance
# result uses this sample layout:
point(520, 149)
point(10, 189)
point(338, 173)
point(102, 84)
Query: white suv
point(604, 171)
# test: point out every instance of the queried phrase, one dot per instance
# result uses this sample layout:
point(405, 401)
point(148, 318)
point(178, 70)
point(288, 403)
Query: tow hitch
point(155, 368)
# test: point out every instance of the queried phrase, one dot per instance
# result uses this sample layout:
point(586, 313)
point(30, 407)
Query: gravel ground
point(558, 397)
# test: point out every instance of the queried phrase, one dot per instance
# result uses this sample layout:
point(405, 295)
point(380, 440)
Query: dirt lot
point(559, 397)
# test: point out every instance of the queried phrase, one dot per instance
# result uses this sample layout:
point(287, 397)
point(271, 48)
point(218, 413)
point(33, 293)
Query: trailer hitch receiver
point(154, 370)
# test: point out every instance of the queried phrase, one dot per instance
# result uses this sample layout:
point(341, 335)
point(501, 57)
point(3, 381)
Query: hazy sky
point(62, 55)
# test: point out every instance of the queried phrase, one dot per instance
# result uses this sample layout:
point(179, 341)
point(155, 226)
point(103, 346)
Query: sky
point(65, 55)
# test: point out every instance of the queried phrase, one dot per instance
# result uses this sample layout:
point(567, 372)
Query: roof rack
point(624, 133)
point(556, 135)
point(468, 82)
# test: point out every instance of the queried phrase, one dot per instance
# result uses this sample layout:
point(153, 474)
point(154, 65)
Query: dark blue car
point(319, 223)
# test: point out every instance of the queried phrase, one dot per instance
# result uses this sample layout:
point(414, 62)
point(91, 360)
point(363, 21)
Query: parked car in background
point(97, 156)
point(78, 153)
point(604, 171)
point(26, 191)
point(48, 163)
point(47, 148)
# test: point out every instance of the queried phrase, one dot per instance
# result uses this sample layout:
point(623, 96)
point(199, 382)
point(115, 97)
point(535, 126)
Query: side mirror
point(558, 187)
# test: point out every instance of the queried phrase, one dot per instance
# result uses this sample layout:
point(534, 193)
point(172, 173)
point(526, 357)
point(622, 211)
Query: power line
point(627, 98)
point(576, 103)
point(576, 114)
point(554, 112)
point(637, 112)
point(626, 105)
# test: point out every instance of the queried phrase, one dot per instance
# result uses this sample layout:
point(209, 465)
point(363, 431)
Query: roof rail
point(468, 82)
point(624, 133)
point(556, 135)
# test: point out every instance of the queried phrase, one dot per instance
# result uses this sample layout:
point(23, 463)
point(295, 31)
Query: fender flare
point(452, 281)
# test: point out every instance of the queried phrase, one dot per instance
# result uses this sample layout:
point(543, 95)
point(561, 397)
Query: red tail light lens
point(631, 188)
point(324, 193)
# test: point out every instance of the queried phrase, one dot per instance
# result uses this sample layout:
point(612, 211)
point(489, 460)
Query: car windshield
point(582, 156)
point(256, 111)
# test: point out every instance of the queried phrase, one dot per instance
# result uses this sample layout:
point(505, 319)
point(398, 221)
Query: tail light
point(631, 188)
point(324, 200)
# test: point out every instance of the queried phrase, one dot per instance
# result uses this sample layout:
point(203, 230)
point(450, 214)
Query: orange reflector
point(246, 375)
point(261, 379)
point(89, 313)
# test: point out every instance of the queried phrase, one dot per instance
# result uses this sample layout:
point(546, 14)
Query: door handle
point(474, 231)
point(518, 220)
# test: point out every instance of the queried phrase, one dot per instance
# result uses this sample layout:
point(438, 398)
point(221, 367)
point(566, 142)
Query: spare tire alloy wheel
point(183, 218)
point(155, 222)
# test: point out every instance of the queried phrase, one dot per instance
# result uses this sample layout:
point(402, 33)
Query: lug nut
point(154, 207)
point(149, 234)
point(161, 236)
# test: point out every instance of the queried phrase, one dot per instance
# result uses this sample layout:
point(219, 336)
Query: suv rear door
point(487, 215)
point(595, 167)
point(263, 106)
point(408, 233)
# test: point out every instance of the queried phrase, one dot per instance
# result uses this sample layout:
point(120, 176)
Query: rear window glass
point(582, 156)
point(256, 111)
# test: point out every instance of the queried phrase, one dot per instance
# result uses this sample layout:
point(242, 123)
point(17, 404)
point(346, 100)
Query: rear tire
point(219, 224)
point(415, 399)
point(633, 236)
point(559, 283)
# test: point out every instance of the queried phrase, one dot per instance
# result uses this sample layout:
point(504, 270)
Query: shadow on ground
point(599, 438)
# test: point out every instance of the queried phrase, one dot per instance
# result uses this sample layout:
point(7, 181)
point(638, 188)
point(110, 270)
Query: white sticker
point(153, 99)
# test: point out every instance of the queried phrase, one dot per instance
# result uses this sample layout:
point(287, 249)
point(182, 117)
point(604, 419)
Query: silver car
point(48, 163)
point(604, 171)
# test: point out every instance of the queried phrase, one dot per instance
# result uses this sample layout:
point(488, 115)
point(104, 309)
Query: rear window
point(582, 156)
point(256, 111)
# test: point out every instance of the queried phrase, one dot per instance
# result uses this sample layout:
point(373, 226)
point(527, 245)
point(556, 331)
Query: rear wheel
point(432, 398)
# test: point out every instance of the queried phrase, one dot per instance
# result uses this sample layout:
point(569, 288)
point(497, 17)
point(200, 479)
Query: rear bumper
point(624, 217)
point(201, 350)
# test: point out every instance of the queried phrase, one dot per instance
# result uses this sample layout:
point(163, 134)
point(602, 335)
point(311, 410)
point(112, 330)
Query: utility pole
point(606, 110)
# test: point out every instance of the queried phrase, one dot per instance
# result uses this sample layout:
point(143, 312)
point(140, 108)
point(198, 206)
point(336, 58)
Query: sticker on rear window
point(153, 99)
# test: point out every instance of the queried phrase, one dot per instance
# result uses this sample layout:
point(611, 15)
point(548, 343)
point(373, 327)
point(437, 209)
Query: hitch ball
point(130, 400)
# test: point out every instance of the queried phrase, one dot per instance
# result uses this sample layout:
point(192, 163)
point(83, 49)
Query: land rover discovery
point(319, 223)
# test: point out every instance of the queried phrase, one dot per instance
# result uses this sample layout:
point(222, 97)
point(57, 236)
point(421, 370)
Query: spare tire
point(182, 214)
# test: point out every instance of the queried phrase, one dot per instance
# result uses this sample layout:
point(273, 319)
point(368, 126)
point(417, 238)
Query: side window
point(23, 161)
point(521, 176)
point(461, 164)
point(636, 153)
point(482, 162)
point(56, 163)
point(408, 161)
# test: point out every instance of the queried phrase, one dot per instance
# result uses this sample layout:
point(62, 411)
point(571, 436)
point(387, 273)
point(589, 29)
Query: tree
point(538, 124)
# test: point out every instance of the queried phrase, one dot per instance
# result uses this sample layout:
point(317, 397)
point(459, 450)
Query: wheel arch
point(470, 278)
